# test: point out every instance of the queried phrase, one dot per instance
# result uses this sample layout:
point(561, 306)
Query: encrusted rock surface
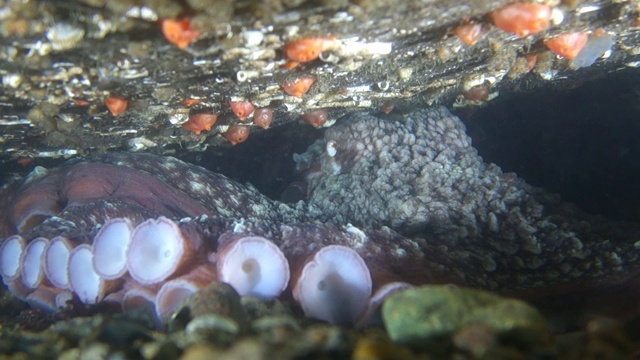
point(427, 316)
point(61, 61)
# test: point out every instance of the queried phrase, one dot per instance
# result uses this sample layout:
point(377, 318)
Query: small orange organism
point(469, 33)
point(236, 134)
point(522, 19)
point(532, 59)
point(199, 122)
point(24, 161)
point(190, 102)
point(263, 117)
point(298, 87)
point(179, 32)
point(116, 105)
point(242, 109)
point(477, 93)
point(567, 45)
point(387, 106)
point(308, 48)
point(315, 118)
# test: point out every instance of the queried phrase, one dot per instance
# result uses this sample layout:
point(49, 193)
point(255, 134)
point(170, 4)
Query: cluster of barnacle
point(523, 19)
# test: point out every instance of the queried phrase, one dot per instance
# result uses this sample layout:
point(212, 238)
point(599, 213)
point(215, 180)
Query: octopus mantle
point(409, 197)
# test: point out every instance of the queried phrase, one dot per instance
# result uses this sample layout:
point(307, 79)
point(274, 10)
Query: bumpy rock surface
point(426, 315)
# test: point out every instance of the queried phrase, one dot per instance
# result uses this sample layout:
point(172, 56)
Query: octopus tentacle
point(426, 209)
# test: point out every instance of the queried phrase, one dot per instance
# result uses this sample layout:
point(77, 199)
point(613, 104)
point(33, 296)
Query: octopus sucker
point(10, 255)
point(173, 292)
point(33, 274)
point(405, 202)
point(158, 249)
point(254, 266)
point(110, 247)
point(334, 285)
point(56, 258)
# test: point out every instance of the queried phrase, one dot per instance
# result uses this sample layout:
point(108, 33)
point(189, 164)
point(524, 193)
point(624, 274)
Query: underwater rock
point(215, 299)
point(428, 315)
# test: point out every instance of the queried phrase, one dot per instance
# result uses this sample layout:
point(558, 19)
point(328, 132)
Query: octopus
point(389, 204)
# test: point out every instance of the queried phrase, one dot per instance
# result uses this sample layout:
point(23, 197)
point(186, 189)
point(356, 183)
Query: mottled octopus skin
point(420, 175)
point(426, 207)
point(159, 185)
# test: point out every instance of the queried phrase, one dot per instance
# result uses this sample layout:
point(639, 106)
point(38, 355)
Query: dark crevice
point(581, 143)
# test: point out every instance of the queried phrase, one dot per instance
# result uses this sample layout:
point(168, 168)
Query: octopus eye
point(242, 109)
point(567, 45)
point(236, 134)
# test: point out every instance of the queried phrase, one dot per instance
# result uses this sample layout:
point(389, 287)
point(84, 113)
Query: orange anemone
point(298, 87)
point(242, 109)
point(199, 122)
point(567, 45)
point(236, 134)
point(179, 32)
point(308, 49)
point(116, 105)
point(315, 118)
point(522, 19)
point(263, 117)
point(469, 33)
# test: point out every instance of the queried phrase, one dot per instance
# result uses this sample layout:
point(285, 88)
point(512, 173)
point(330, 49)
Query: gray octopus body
point(411, 196)
point(420, 176)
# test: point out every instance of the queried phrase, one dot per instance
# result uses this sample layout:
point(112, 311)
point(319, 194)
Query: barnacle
point(567, 45)
point(522, 19)
point(199, 122)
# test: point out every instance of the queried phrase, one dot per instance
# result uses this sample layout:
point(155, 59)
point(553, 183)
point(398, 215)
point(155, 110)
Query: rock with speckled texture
point(429, 315)
point(215, 299)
